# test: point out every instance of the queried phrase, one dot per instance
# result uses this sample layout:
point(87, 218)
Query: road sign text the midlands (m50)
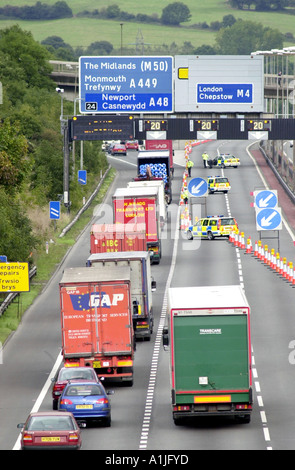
point(14, 277)
point(126, 84)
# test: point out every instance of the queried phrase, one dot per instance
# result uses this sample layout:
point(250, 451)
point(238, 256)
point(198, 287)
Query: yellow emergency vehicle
point(225, 160)
point(218, 184)
point(212, 226)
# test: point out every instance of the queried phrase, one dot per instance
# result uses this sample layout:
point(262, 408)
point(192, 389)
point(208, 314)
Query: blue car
point(86, 400)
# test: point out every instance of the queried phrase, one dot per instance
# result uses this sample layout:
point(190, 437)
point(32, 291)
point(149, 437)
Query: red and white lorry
point(140, 205)
point(96, 320)
point(109, 238)
point(142, 286)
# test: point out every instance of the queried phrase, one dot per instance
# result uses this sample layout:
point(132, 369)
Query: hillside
point(143, 35)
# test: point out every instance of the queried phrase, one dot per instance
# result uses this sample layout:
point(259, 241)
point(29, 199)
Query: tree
point(245, 37)
point(175, 13)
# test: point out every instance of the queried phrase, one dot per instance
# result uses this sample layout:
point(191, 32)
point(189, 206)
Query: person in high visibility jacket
point(190, 164)
point(185, 196)
point(205, 157)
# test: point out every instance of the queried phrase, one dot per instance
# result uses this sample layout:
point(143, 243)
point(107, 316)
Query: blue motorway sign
point(126, 84)
point(265, 199)
point(198, 187)
point(269, 219)
point(82, 176)
point(224, 93)
point(54, 210)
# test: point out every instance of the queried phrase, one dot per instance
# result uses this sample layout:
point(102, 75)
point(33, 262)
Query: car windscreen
point(84, 390)
point(45, 423)
point(228, 221)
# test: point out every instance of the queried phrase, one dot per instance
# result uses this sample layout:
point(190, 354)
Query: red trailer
point(140, 205)
point(96, 320)
point(108, 238)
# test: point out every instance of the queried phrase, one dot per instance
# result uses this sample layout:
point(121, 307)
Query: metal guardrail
point(11, 296)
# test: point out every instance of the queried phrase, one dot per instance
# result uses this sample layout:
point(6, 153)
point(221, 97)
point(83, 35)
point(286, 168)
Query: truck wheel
point(210, 235)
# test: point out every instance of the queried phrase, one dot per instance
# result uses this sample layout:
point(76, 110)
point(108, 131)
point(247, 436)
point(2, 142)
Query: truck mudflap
point(214, 405)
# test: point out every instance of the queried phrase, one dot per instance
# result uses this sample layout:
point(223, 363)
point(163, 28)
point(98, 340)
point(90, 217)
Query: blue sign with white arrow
point(269, 219)
point(198, 187)
point(54, 210)
point(265, 199)
point(82, 176)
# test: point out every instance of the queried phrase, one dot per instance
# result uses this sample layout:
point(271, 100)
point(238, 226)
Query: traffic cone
point(293, 280)
point(236, 242)
point(284, 267)
point(242, 242)
point(278, 262)
point(256, 249)
point(249, 245)
point(272, 259)
point(259, 249)
point(290, 273)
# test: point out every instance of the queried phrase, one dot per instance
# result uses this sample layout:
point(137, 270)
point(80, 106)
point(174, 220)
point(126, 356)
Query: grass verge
point(47, 264)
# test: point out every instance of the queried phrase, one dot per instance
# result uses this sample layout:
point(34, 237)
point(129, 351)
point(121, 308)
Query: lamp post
point(121, 24)
point(65, 133)
point(81, 142)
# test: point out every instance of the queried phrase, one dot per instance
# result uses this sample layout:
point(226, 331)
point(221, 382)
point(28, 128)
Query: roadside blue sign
point(54, 209)
point(3, 259)
point(265, 199)
point(126, 84)
point(224, 93)
point(82, 176)
point(269, 219)
point(198, 187)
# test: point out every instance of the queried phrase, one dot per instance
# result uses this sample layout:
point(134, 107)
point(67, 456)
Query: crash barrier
point(268, 256)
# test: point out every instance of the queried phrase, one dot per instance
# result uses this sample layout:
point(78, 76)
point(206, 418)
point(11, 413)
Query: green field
point(82, 31)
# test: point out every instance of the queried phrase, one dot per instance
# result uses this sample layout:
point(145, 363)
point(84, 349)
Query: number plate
point(84, 407)
point(50, 439)
point(96, 364)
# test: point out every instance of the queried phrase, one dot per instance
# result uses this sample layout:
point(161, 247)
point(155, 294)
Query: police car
point(212, 226)
point(218, 184)
point(225, 160)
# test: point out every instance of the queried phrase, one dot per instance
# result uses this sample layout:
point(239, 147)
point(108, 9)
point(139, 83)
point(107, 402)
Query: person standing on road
point(205, 157)
point(190, 164)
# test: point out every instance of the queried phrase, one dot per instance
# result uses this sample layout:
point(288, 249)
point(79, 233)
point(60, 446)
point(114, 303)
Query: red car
point(119, 149)
point(132, 145)
point(70, 373)
point(50, 430)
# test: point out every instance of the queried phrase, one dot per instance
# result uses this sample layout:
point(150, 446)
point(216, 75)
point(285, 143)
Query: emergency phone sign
point(126, 84)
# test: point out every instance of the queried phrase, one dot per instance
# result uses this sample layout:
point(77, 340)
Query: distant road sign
point(82, 176)
point(126, 84)
point(265, 199)
point(198, 187)
point(54, 209)
point(269, 219)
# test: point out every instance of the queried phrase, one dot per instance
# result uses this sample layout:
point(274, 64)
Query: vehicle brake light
point(73, 437)
point(102, 401)
point(28, 438)
point(66, 401)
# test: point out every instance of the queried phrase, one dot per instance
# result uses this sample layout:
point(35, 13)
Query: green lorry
point(208, 333)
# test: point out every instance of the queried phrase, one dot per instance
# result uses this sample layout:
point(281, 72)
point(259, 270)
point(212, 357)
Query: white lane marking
point(155, 359)
point(42, 394)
